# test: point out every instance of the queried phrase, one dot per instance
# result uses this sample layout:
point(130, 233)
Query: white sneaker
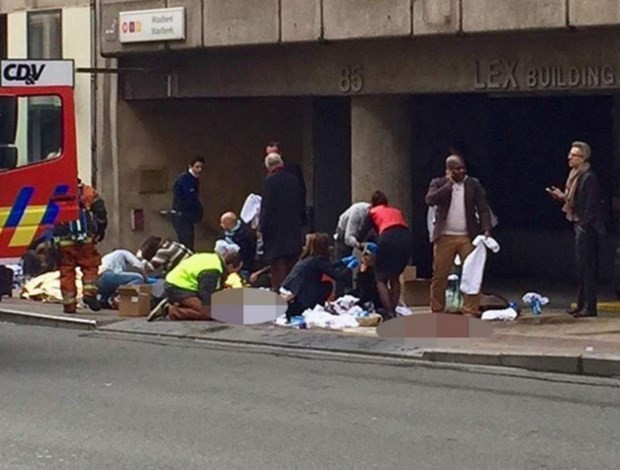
point(159, 312)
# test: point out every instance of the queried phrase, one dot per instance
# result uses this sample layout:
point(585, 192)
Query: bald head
point(455, 168)
point(454, 161)
point(228, 220)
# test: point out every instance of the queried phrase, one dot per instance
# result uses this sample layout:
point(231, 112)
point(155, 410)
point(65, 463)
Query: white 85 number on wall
point(352, 79)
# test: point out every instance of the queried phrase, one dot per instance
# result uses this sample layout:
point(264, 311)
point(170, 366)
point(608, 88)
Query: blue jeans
point(110, 281)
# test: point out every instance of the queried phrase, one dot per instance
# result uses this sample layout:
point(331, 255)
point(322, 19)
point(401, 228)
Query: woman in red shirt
point(395, 248)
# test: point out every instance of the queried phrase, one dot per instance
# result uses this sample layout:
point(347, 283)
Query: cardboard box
point(409, 274)
point(416, 293)
point(134, 300)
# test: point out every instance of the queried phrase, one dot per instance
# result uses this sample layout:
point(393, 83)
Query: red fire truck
point(38, 158)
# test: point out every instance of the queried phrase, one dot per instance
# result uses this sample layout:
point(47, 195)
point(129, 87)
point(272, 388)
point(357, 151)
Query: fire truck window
point(39, 129)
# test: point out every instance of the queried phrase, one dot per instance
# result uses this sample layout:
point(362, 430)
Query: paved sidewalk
point(554, 342)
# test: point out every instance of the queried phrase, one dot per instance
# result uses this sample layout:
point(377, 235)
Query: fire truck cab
point(38, 157)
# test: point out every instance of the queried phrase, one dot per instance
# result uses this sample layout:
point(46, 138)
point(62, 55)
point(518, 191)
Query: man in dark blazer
point(462, 213)
point(187, 209)
point(280, 219)
point(582, 205)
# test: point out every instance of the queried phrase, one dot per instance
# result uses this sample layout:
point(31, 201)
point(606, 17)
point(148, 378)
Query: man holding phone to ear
point(581, 203)
point(462, 214)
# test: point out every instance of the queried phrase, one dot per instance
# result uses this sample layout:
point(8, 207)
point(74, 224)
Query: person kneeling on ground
point(190, 285)
point(304, 287)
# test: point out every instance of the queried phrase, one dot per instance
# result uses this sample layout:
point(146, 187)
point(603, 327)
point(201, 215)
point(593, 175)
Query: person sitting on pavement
point(161, 255)
point(40, 258)
point(119, 268)
point(190, 285)
point(304, 287)
point(235, 231)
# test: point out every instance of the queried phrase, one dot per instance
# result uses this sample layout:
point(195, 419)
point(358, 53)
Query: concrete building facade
point(366, 94)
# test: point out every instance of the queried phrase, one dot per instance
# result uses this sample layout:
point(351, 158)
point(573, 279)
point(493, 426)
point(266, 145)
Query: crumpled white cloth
point(473, 266)
point(222, 248)
point(319, 318)
point(343, 305)
point(531, 296)
point(250, 212)
point(504, 314)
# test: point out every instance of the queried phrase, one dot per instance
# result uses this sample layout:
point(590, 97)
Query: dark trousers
point(586, 253)
point(297, 308)
point(184, 229)
point(341, 250)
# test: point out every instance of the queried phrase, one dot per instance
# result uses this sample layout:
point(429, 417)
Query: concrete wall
point(594, 12)
point(219, 23)
point(162, 136)
point(236, 22)
point(529, 63)
point(353, 19)
point(301, 20)
point(506, 15)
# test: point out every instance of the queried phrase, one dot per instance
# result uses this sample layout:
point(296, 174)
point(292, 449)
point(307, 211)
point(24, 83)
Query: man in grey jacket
point(352, 225)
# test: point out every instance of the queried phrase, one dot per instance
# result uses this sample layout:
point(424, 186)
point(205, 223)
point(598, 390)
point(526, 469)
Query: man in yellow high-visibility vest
point(191, 283)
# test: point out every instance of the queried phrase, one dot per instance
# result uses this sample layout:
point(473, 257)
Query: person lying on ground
point(162, 255)
point(235, 231)
point(304, 287)
point(191, 284)
point(118, 268)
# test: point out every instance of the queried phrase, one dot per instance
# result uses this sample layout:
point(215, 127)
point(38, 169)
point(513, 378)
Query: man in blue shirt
point(187, 209)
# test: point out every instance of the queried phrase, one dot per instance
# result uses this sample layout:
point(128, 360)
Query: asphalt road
point(70, 400)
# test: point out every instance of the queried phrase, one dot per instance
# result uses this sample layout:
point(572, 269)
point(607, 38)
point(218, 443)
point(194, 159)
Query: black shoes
point(581, 312)
point(92, 303)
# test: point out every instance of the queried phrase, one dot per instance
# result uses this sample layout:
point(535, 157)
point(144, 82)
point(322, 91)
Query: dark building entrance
point(516, 147)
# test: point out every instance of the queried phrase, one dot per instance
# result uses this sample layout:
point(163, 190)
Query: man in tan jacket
point(462, 214)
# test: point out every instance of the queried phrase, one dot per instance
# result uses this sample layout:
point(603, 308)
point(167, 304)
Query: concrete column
point(381, 149)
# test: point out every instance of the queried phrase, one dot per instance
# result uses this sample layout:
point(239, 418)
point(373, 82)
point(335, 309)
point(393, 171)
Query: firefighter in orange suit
point(76, 243)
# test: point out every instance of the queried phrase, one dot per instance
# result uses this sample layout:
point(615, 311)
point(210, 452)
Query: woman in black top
point(305, 284)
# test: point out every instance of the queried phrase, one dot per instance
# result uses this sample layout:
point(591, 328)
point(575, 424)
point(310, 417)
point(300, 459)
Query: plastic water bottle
point(452, 293)
point(298, 322)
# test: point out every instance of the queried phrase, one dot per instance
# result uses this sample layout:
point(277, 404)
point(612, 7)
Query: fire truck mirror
point(8, 119)
point(8, 157)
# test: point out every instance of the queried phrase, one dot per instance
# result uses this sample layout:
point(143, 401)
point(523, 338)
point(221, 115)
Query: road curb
point(53, 321)
point(553, 363)
point(583, 364)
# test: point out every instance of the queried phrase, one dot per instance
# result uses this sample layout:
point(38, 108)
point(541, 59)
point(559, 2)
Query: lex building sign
point(164, 24)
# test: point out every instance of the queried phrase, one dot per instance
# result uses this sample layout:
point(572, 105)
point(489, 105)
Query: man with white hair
point(280, 219)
